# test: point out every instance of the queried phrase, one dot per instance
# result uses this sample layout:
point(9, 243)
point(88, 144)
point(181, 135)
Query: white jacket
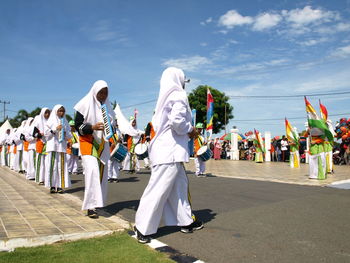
point(170, 144)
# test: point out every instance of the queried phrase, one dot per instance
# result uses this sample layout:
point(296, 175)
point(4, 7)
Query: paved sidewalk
point(270, 171)
point(31, 216)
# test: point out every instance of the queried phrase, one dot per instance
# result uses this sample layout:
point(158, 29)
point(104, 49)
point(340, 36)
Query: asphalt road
point(248, 221)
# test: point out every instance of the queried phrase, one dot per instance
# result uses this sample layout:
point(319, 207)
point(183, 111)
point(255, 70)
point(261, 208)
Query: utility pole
point(4, 102)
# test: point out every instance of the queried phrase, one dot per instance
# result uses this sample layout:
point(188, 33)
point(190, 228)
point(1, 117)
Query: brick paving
point(29, 212)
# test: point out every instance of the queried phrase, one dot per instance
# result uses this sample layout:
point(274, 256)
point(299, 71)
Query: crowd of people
point(46, 149)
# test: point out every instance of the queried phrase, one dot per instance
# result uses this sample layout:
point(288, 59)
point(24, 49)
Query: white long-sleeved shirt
point(170, 144)
point(52, 144)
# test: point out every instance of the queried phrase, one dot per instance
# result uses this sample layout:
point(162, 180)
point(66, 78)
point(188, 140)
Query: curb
point(171, 252)
point(10, 244)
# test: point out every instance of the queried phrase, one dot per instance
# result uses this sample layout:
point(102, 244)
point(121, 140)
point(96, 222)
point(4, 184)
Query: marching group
point(47, 149)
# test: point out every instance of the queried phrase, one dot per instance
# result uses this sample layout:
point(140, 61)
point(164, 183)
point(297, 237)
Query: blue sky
point(51, 52)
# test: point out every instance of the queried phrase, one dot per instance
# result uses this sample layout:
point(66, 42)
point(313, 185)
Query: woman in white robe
point(166, 195)
point(57, 132)
point(94, 146)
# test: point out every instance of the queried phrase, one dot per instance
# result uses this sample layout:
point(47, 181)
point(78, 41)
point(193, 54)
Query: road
point(248, 220)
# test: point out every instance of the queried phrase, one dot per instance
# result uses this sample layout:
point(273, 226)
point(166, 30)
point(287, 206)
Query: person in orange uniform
point(198, 143)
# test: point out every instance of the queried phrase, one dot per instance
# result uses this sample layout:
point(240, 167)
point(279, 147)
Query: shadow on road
point(74, 190)
point(205, 215)
point(115, 208)
point(129, 179)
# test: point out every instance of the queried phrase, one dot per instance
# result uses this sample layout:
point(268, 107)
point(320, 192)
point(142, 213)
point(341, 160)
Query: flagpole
point(225, 120)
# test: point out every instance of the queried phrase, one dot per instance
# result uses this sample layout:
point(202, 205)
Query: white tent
point(6, 125)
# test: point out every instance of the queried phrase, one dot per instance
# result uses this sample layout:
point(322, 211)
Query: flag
point(210, 114)
point(191, 142)
point(324, 112)
point(315, 122)
point(259, 140)
point(292, 136)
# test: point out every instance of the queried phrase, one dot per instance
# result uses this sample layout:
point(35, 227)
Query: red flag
point(324, 112)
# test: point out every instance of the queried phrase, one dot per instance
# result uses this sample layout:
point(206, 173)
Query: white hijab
point(40, 121)
point(90, 108)
point(54, 120)
point(27, 128)
point(171, 83)
point(20, 129)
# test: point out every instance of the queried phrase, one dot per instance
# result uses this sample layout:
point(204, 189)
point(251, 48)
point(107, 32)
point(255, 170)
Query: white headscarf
point(90, 107)
point(54, 120)
point(20, 129)
point(27, 130)
point(40, 121)
point(171, 83)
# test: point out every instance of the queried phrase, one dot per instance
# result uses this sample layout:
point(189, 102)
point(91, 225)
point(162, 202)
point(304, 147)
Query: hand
point(193, 134)
point(98, 126)
point(59, 127)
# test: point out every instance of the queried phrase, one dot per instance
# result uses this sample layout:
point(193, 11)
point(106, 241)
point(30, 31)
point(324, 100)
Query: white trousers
point(72, 161)
point(166, 196)
point(113, 169)
point(95, 193)
point(3, 156)
point(40, 168)
point(12, 157)
point(56, 170)
point(294, 160)
point(200, 165)
point(25, 160)
point(315, 167)
point(18, 161)
point(131, 162)
point(30, 171)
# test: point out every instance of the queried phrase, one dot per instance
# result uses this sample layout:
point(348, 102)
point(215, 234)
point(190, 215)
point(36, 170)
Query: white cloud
point(266, 21)
point(301, 17)
point(203, 44)
point(232, 18)
point(313, 42)
point(341, 52)
point(188, 64)
point(343, 27)
point(104, 31)
point(207, 21)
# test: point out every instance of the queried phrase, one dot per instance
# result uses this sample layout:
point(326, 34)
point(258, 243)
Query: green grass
point(118, 247)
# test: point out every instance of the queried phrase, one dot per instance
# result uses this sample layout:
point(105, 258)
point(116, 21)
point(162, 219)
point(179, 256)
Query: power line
point(292, 96)
point(293, 118)
point(259, 97)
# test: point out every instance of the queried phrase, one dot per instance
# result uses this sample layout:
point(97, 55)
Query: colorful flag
point(191, 142)
point(210, 114)
point(259, 140)
point(315, 122)
point(324, 112)
point(292, 136)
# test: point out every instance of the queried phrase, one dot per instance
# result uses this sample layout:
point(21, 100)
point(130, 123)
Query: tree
point(198, 100)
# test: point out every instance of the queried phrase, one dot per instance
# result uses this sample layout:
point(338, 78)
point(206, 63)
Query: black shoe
point(60, 190)
point(92, 213)
point(141, 238)
point(110, 180)
point(53, 190)
point(196, 225)
point(116, 180)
